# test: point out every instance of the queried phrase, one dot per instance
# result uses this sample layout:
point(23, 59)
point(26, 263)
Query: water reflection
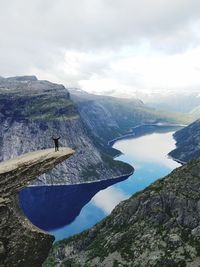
point(51, 207)
point(107, 199)
point(151, 148)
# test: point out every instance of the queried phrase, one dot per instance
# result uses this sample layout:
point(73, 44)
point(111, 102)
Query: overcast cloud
point(103, 45)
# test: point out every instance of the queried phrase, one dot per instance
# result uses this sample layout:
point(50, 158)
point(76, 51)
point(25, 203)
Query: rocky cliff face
point(21, 243)
point(31, 112)
point(159, 226)
point(187, 142)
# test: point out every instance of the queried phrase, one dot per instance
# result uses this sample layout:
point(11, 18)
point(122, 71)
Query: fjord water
point(67, 210)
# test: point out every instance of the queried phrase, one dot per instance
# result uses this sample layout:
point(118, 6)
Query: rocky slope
point(31, 111)
point(187, 142)
point(159, 226)
point(21, 243)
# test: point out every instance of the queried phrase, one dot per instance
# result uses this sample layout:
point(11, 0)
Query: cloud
point(107, 199)
point(146, 72)
point(82, 41)
point(91, 24)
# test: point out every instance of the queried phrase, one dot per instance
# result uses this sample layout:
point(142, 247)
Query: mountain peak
point(25, 78)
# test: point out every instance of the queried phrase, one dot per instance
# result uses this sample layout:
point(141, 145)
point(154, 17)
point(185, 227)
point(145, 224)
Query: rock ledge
point(21, 243)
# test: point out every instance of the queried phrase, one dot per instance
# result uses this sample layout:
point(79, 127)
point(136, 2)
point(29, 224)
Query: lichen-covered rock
point(21, 243)
point(159, 226)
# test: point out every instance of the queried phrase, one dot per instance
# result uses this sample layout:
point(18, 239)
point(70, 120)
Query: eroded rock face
point(21, 243)
point(159, 226)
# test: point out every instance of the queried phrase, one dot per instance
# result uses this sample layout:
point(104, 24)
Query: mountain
point(161, 99)
point(187, 142)
point(159, 226)
point(31, 112)
point(109, 117)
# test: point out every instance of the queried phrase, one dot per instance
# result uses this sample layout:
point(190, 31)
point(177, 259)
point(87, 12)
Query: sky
point(103, 46)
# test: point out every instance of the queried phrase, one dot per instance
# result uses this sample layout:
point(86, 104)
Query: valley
point(155, 226)
point(100, 133)
point(121, 148)
point(91, 202)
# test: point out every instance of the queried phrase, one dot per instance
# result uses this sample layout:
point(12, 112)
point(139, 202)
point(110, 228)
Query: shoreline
point(88, 182)
point(113, 141)
point(132, 134)
point(177, 160)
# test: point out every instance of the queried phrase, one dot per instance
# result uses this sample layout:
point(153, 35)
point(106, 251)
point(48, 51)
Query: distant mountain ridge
point(176, 102)
point(26, 78)
point(163, 99)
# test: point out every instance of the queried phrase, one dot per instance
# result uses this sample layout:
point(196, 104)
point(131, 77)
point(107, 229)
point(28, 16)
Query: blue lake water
point(68, 210)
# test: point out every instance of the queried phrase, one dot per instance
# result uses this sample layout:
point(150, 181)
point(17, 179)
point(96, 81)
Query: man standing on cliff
point(56, 143)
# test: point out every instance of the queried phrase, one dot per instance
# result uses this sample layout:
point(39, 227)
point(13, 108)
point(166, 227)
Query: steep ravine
point(159, 226)
point(21, 243)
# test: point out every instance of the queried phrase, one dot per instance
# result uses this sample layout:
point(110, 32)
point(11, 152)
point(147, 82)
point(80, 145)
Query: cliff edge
point(21, 243)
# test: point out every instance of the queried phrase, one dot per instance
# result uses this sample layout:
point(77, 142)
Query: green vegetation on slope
point(48, 107)
point(42, 107)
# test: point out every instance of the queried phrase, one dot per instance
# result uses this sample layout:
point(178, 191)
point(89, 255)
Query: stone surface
point(159, 226)
point(21, 243)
